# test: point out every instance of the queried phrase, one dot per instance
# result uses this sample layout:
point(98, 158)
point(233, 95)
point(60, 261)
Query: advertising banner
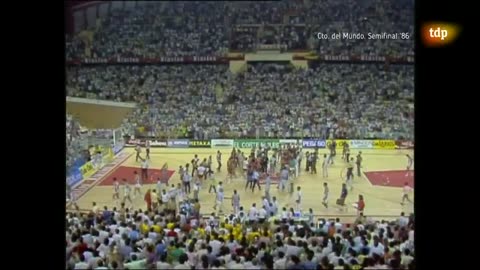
point(361, 144)
point(135, 142)
point(404, 144)
point(222, 143)
point(153, 143)
point(288, 141)
point(158, 143)
point(74, 177)
point(384, 144)
point(199, 144)
point(340, 143)
point(87, 170)
point(246, 143)
point(117, 148)
point(180, 143)
point(312, 143)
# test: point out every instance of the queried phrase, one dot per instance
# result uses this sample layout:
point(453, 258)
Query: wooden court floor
point(381, 201)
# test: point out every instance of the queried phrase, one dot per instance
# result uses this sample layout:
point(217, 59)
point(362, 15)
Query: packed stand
point(375, 16)
point(160, 239)
point(160, 29)
point(269, 100)
point(74, 145)
point(211, 28)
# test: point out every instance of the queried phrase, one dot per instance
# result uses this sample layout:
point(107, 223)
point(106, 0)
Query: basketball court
point(383, 177)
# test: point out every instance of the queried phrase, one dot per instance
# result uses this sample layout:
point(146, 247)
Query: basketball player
point(159, 184)
point(172, 193)
point(138, 185)
point(298, 201)
point(343, 196)
point(219, 160)
point(406, 190)
point(116, 190)
point(325, 166)
point(138, 149)
point(165, 197)
point(409, 164)
point(347, 152)
point(209, 163)
point(268, 182)
point(309, 161)
point(235, 202)
point(330, 159)
point(195, 161)
point(219, 198)
point(144, 170)
point(196, 189)
point(283, 178)
point(201, 172)
point(273, 163)
point(359, 163)
point(181, 194)
point(349, 180)
point(186, 182)
point(313, 164)
point(127, 191)
point(230, 169)
point(164, 174)
point(255, 180)
point(344, 151)
point(147, 149)
point(245, 167)
point(299, 161)
point(334, 148)
point(212, 183)
point(326, 190)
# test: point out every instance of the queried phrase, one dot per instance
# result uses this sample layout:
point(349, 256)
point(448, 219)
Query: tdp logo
point(438, 33)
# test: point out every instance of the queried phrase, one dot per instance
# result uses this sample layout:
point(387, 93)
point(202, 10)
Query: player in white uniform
point(165, 197)
point(325, 166)
point(219, 160)
point(235, 202)
point(127, 191)
point(201, 172)
point(219, 198)
point(268, 182)
point(298, 201)
point(159, 184)
point(116, 191)
point(406, 190)
point(245, 167)
point(409, 165)
point(138, 185)
point(325, 194)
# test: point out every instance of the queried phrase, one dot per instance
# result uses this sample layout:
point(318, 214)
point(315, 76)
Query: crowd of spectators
point(157, 29)
point(127, 239)
point(371, 16)
point(268, 100)
point(73, 137)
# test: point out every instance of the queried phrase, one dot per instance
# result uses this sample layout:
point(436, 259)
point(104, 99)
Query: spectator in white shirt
point(252, 214)
point(377, 247)
point(81, 264)
point(183, 259)
point(406, 258)
point(281, 262)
